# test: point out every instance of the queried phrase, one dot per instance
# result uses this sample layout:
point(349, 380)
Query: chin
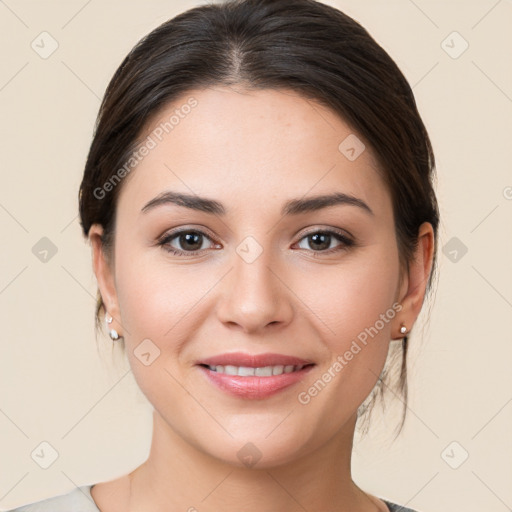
point(259, 450)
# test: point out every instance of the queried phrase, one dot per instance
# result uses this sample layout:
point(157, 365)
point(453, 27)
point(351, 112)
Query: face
point(263, 270)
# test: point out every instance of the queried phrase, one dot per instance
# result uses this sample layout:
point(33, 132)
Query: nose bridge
point(254, 296)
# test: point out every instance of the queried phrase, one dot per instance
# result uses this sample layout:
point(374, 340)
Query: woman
point(258, 196)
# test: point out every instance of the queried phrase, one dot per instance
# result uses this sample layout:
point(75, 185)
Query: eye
point(320, 241)
point(190, 240)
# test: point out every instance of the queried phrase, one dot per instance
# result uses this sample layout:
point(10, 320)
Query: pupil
point(322, 241)
point(189, 239)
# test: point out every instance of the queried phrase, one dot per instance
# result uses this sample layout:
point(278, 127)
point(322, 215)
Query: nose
point(254, 296)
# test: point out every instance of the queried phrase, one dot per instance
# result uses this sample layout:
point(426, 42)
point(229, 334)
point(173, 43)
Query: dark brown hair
point(300, 45)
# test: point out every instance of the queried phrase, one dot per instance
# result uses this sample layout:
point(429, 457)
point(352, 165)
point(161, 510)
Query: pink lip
point(254, 387)
point(253, 360)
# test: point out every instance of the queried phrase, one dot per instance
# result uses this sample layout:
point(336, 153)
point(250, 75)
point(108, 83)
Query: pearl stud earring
point(111, 332)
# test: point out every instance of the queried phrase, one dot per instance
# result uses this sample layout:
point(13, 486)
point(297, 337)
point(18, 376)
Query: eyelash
point(346, 242)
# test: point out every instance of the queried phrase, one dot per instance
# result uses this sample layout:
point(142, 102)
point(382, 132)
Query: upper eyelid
point(332, 230)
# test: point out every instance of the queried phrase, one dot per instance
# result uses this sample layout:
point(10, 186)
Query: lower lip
point(254, 387)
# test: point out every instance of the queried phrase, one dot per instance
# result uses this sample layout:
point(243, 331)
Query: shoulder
point(77, 500)
point(393, 507)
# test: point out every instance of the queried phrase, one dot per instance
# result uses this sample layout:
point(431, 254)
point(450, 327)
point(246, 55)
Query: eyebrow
point(291, 207)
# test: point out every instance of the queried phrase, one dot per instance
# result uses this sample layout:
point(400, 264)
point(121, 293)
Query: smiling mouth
point(255, 382)
point(248, 371)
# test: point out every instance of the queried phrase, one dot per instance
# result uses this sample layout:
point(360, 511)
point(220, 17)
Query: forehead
point(240, 144)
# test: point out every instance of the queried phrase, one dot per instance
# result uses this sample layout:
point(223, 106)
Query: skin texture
point(252, 151)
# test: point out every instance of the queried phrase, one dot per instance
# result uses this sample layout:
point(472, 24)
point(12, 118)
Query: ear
point(104, 271)
point(414, 285)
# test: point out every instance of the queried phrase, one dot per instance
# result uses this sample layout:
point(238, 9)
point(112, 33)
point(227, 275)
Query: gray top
point(80, 500)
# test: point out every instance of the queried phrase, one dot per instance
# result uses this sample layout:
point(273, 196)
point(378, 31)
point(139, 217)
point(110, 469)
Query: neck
point(178, 476)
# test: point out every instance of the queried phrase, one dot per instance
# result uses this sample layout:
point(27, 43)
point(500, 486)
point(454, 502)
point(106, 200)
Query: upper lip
point(253, 360)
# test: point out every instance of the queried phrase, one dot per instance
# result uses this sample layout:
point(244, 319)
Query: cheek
point(157, 300)
point(138, 296)
point(157, 304)
point(354, 308)
point(352, 298)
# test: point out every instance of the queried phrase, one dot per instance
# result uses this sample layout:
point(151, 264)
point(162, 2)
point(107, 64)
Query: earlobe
point(111, 332)
point(415, 283)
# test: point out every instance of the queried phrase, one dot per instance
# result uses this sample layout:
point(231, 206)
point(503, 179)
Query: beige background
point(54, 385)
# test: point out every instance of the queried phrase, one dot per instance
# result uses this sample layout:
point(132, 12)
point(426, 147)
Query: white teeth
point(245, 371)
point(277, 370)
point(230, 370)
point(263, 372)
